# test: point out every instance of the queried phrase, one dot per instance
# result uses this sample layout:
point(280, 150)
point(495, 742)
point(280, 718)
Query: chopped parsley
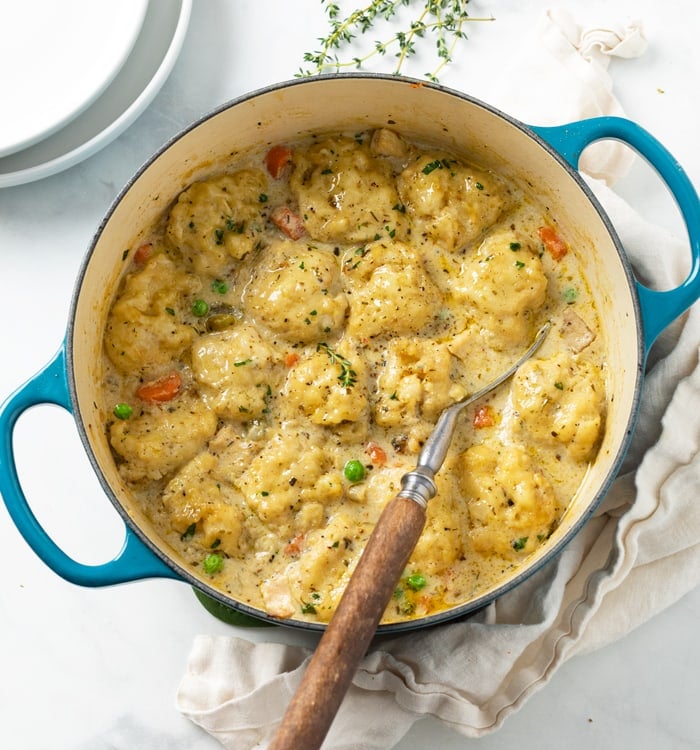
point(189, 532)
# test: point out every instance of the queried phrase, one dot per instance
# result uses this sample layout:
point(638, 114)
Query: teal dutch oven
point(548, 158)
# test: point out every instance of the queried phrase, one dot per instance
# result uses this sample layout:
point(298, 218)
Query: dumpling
point(293, 469)
point(329, 387)
point(216, 220)
point(447, 202)
point(295, 291)
point(162, 438)
point(345, 193)
point(415, 383)
point(234, 369)
point(144, 328)
point(194, 497)
point(390, 292)
point(561, 401)
point(512, 506)
point(505, 282)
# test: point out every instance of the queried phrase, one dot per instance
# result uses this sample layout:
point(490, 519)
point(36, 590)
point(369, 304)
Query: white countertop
point(91, 669)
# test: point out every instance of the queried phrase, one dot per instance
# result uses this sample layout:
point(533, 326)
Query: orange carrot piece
point(276, 159)
point(160, 390)
point(143, 253)
point(294, 547)
point(484, 417)
point(377, 454)
point(288, 222)
point(291, 359)
point(555, 245)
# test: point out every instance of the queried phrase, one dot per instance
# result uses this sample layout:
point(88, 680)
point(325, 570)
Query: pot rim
point(516, 578)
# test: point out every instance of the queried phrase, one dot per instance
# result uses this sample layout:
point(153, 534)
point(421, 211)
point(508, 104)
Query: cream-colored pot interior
point(426, 113)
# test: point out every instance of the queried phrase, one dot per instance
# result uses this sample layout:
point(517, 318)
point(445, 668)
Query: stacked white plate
point(75, 74)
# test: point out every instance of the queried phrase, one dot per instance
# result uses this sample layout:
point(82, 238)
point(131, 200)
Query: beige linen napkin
point(640, 552)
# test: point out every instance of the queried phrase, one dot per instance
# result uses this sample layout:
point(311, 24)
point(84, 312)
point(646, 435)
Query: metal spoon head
point(436, 446)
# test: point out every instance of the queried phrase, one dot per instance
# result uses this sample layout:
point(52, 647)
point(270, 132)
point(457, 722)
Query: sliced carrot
point(555, 245)
point(484, 417)
point(377, 454)
point(276, 159)
point(163, 389)
point(291, 359)
point(143, 253)
point(288, 222)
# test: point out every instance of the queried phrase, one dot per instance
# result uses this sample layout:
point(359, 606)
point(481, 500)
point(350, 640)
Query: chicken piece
point(575, 332)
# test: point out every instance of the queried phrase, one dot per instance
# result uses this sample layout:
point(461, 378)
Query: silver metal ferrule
point(418, 485)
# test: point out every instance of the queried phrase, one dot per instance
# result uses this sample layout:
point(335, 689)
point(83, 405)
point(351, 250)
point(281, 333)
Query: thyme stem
point(444, 19)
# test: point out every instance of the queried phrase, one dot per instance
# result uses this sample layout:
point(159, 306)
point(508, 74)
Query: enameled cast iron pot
point(633, 315)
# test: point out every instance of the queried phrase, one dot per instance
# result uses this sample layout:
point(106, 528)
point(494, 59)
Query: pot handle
point(659, 309)
point(133, 562)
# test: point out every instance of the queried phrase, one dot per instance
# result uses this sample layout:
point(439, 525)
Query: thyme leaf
point(348, 376)
point(442, 20)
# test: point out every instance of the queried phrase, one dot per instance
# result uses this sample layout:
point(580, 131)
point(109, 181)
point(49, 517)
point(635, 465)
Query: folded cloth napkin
point(640, 552)
point(560, 75)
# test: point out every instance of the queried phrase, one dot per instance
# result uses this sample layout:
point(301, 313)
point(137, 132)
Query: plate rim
point(107, 134)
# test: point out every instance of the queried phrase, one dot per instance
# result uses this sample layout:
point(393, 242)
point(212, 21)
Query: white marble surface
point(92, 669)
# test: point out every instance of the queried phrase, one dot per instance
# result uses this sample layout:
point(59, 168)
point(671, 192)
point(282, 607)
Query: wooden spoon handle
point(348, 635)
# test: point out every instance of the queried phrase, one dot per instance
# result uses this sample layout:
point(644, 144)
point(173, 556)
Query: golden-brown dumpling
point(511, 504)
point(220, 219)
point(561, 400)
point(144, 329)
point(447, 202)
point(235, 371)
point(391, 293)
point(295, 291)
point(162, 438)
point(505, 283)
point(344, 192)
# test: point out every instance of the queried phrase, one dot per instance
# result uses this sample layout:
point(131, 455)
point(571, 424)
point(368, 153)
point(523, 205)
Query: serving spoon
point(349, 632)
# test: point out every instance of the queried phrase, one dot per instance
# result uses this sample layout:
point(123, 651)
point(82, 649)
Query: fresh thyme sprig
point(348, 376)
point(445, 19)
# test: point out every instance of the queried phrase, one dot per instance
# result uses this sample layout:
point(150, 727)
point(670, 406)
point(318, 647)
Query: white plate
point(56, 58)
point(138, 81)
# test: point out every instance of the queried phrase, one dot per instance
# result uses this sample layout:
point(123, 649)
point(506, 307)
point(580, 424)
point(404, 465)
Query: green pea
point(123, 411)
point(200, 308)
point(213, 563)
point(416, 582)
point(570, 295)
point(354, 471)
